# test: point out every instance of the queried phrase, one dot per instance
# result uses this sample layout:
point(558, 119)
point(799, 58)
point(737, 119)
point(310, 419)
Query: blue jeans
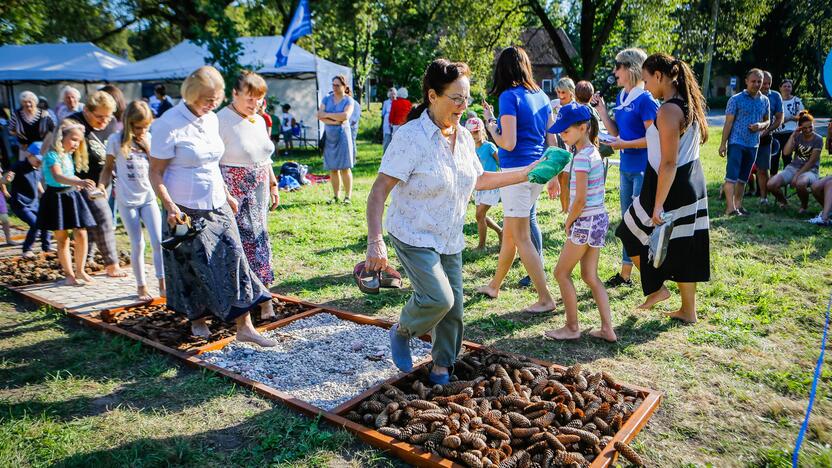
point(30, 217)
point(739, 162)
point(630, 188)
point(534, 229)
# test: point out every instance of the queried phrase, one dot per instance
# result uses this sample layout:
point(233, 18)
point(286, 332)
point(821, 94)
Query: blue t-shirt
point(775, 102)
point(630, 122)
point(746, 111)
point(532, 110)
point(486, 154)
point(64, 161)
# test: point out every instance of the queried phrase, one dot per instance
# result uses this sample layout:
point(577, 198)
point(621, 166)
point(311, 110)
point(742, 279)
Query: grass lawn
point(735, 384)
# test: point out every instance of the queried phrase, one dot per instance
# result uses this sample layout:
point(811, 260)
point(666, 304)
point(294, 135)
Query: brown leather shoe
point(368, 281)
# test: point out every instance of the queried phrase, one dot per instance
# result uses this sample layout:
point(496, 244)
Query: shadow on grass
point(631, 332)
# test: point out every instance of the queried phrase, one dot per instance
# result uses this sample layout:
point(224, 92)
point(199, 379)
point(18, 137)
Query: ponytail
point(684, 79)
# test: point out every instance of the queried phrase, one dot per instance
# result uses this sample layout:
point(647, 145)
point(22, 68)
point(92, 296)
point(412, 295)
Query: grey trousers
point(436, 303)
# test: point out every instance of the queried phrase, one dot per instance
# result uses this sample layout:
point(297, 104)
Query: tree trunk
point(706, 74)
point(551, 30)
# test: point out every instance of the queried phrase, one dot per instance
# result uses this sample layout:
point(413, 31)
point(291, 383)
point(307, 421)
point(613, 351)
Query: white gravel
point(321, 359)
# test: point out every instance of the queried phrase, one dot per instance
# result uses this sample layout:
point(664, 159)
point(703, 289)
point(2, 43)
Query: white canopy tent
point(45, 68)
point(302, 83)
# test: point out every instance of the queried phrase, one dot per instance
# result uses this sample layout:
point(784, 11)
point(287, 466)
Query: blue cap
point(569, 115)
point(34, 149)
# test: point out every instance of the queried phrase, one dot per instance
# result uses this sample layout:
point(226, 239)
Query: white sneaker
point(818, 221)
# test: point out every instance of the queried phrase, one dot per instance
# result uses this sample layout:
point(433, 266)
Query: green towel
point(554, 160)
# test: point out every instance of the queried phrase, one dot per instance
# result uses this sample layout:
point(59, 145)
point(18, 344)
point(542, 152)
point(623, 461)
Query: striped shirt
point(589, 160)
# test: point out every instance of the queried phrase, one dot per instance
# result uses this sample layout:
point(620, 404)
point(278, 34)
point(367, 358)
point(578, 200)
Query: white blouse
point(194, 147)
point(427, 207)
point(246, 140)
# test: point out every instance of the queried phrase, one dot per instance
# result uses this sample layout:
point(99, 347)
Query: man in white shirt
point(387, 129)
point(287, 124)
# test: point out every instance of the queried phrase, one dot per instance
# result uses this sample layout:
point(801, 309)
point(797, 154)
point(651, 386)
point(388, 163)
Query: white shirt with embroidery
point(428, 205)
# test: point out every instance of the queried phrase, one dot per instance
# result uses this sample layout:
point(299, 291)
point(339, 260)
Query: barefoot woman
point(429, 171)
point(208, 274)
point(673, 184)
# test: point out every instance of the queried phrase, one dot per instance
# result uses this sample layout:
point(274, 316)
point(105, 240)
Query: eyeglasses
point(102, 118)
point(460, 100)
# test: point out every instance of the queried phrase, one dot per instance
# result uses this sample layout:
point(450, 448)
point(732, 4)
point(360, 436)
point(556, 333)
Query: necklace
point(249, 118)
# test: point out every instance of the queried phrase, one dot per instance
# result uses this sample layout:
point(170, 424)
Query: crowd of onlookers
point(762, 128)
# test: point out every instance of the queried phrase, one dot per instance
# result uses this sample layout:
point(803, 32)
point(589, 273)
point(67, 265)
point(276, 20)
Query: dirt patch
point(18, 271)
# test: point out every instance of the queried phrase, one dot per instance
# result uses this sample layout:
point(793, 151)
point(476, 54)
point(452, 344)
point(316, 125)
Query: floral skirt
point(250, 186)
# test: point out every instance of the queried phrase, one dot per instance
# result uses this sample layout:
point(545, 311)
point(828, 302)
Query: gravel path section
point(321, 359)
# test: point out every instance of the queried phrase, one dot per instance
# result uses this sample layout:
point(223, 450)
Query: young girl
point(62, 208)
point(586, 222)
point(485, 199)
point(127, 152)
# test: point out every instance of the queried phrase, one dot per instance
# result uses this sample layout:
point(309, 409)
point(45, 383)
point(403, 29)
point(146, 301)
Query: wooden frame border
point(404, 451)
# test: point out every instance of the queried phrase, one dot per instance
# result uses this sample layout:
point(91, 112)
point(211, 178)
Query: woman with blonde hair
point(62, 208)
point(634, 112)
point(127, 154)
point(246, 167)
point(207, 273)
point(339, 150)
point(97, 119)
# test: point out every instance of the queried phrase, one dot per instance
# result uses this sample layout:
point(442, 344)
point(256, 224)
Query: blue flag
point(300, 26)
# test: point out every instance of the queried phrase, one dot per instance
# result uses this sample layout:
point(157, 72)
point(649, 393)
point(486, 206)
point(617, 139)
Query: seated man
point(805, 146)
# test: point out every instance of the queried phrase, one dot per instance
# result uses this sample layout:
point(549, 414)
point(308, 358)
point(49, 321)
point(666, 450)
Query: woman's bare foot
point(73, 281)
point(267, 310)
point(115, 271)
point(200, 329)
point(252, 336)
point(143, 293)
point(682, 316)
point(563, 333)
point(488, 291)
point(604, 334)
point(661, 295)
point(539, 307)
point(85, 277)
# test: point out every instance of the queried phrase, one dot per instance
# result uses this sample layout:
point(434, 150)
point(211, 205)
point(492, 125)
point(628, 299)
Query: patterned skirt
point(250, 186)
point(209, 274)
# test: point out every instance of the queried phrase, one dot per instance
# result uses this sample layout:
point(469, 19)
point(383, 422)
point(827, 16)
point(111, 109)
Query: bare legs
point(338, 177)
point(822, 190)
point(686, 313)
point(588, 257)
point(76, 275)
point(733, 202)
point(483, 223)
point(517, 239)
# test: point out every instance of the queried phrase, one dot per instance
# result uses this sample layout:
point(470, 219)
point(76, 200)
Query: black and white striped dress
point(688, 253)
